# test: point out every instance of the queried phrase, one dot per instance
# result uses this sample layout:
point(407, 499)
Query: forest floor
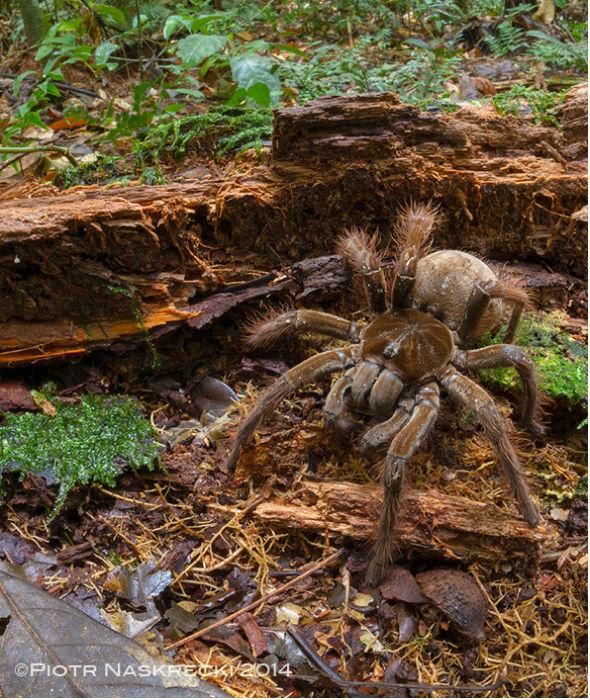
point(189, 535)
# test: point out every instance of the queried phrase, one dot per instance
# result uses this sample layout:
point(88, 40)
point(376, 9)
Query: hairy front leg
point(494, 356)
point(266, 330)
point(305, 372)
point(473, 397)
point(361, 252)
point(413, 233)
point(402, 447)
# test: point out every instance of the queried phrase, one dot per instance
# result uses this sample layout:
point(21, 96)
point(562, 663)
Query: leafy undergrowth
point(561, 361)
point(167, 80)
point(89, 442)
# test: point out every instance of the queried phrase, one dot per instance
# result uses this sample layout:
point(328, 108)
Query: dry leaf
point(14, 396)
point(254, 634)
point(49, 648)
point(141, 586)
point(401, 585)
point(458, 596)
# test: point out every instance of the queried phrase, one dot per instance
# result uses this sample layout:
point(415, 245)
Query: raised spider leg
point(413, 230)
point(266, 330)
point(401, 449)
point(479, 301)
point(305, 372)
point(360, 251)
point(472, 396)
point(508, 356)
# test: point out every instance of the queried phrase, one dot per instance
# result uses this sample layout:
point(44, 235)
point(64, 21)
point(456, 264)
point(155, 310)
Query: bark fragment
point(431, 524)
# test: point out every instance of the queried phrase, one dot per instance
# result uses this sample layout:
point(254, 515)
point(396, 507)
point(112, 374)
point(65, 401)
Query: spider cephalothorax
point(394, 368)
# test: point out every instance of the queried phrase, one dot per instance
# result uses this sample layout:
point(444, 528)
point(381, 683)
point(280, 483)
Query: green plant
point(558, 54)
point(89, 442)
point(542, 103)
point(223, 128)
point(101, 169)
point(561, 361)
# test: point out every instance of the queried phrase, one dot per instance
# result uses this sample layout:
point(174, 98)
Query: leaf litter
point(172, 554)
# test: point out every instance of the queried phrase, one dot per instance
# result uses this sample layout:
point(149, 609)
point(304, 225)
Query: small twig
point(7, 163)
point(40, 149)
point(255, 603)
point(139, 38)
point(58, 83)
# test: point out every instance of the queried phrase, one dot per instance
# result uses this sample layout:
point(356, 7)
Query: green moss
point(90, 442)
point(561, 361)
point(102, 169)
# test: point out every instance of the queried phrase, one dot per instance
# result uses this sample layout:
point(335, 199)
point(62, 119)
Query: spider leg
point(508, 356)
point(264, 331)
point(472, 396)
point(336, 412)
point(383, 433)
point(481, 296)
point(413, 232)
point(305, 372)
point(385, 393)
point(401, 449)
point(361, 252)
point(362, 383)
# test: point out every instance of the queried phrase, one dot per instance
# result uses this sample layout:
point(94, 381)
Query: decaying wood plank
point(431, 523)
point(86, 267)
point(25, 342)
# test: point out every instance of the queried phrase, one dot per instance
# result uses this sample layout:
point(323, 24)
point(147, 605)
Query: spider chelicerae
point(417, 342)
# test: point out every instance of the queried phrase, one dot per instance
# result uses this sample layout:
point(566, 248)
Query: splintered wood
point(431, 524)
point(92, 266)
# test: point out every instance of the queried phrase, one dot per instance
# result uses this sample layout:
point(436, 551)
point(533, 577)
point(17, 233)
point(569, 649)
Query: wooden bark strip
point(431, 523)
point(91, 265)
point(22, 342)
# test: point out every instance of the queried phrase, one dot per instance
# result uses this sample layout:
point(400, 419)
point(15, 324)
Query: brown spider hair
point(414, 226)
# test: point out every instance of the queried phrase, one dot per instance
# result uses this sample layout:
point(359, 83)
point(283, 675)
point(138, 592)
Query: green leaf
point(203, 21)
point(103, 52)
point(172, 23)
point(291, 48)
point(420, 43)
point(19, 81)
point(195, 48)
point(110, 12)
point(260, 93)
point(43, 51)
point(250, 69)
point(193, 93)
point(237, 98)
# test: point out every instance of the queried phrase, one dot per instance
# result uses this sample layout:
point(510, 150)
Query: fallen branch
point(431, 523)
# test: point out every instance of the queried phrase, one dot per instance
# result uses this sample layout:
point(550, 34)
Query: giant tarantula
point(417, 341)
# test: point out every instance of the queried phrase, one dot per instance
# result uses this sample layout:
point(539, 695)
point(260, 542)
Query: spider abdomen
point(410, 343)
point(444, 282)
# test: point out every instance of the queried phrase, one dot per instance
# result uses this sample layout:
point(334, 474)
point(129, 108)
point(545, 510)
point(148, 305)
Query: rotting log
point(94, 265)
point(430, 524)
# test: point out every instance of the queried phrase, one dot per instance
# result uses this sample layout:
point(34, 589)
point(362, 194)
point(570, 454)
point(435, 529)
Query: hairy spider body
point(444, 282)
point(393, 369)
point(409, 343)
